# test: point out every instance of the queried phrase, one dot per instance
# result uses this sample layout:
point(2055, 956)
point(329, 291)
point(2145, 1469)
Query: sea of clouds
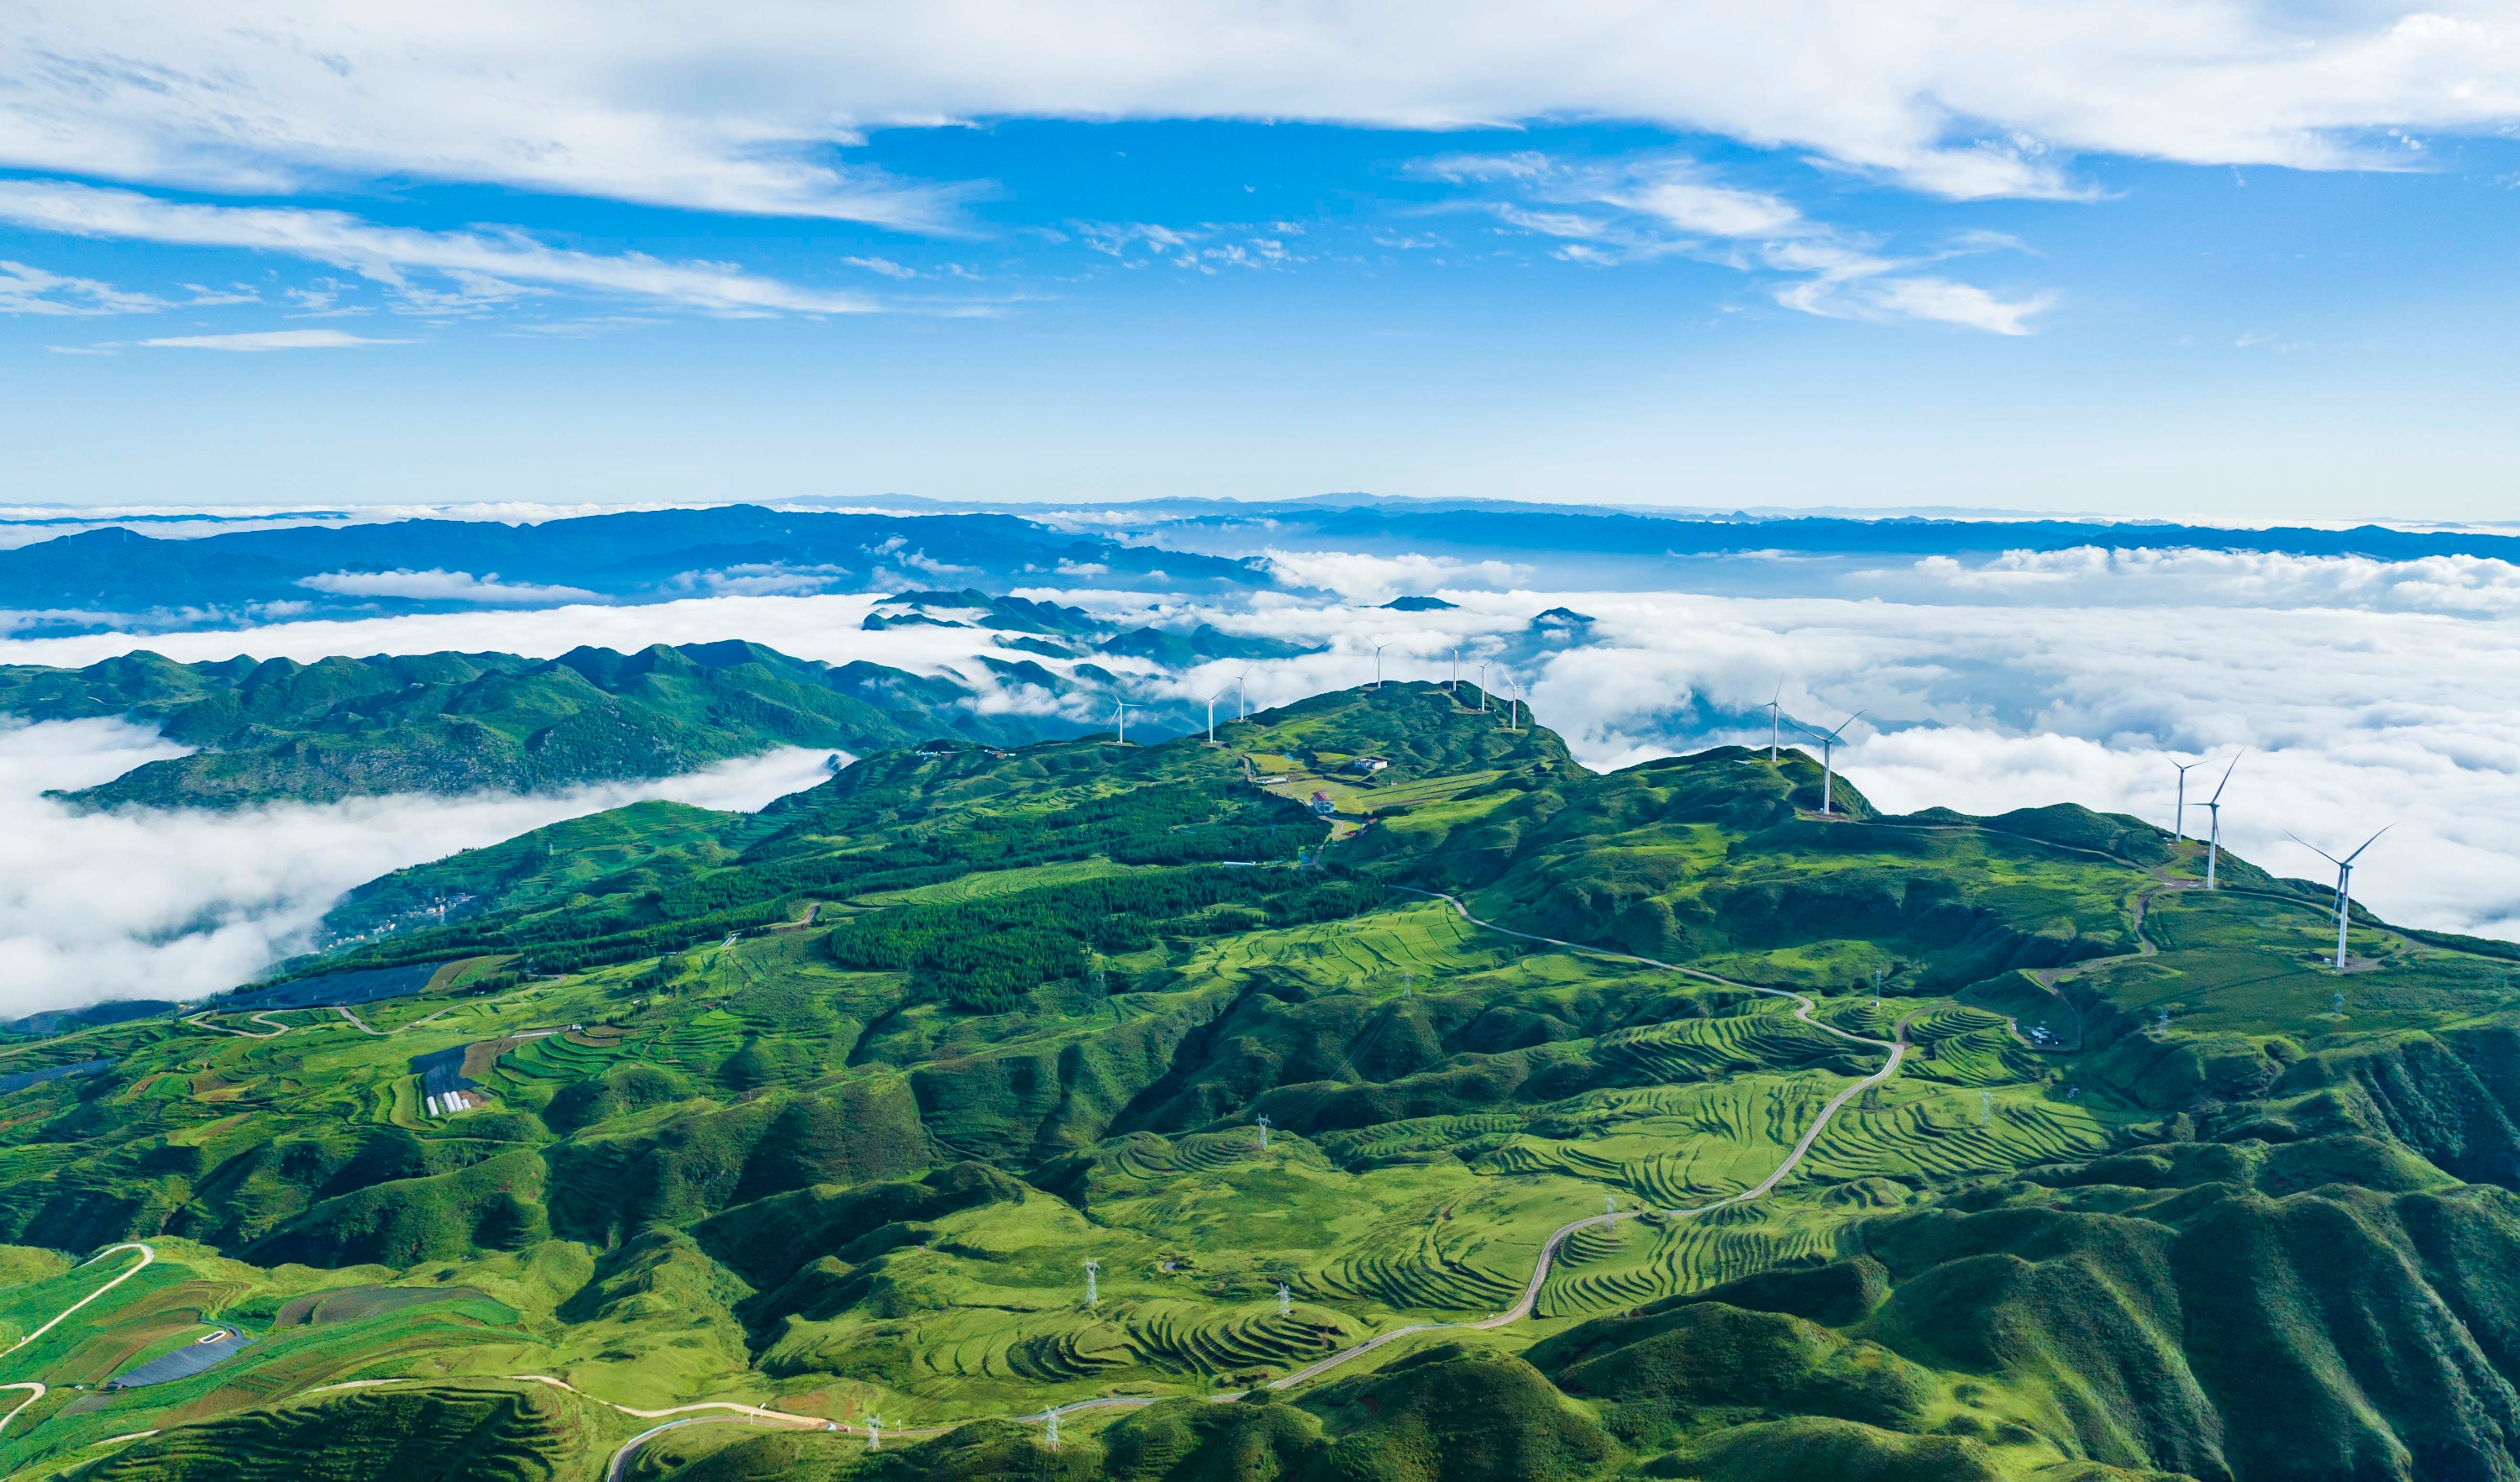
point(2357, 694)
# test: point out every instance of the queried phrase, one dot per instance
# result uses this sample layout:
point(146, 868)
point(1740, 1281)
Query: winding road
point(35, 1391)
point(147, 1255)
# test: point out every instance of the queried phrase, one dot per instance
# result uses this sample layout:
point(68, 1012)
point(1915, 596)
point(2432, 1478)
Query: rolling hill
point(1235, 1094)
point(277, 729)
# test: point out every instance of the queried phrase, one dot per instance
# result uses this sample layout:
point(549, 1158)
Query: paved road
point(147, 1255)
point(344, 1009)
point(35, 1391)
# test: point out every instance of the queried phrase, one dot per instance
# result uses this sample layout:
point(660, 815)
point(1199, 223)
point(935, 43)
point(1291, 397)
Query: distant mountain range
point(113, 577)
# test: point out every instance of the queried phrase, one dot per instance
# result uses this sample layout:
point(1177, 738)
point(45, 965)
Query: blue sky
point(2258, 267)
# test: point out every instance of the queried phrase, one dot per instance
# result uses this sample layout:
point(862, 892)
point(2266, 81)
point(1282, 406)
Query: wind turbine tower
point(1776, 720)
point(1377, 664)
point(2184, 769)
point(1828, 740)
point(2213, 816)
point(1211, 716)
point(1483, 689)
point(1120, 719)
point(2344, 882)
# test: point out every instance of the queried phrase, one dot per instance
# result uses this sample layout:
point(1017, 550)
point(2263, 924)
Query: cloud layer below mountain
point(149, 904)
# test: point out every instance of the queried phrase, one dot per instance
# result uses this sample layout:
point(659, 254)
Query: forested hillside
point(277, 729)
point(1375, 1094)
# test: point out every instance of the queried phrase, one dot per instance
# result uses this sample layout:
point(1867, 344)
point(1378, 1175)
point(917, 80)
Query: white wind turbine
point(2184, 769)
point(1377, 664)
point(2214, 813)
point(1212, 715)
point(1828, 740)
point(1120, 719)
point(2344, 882)
point(1776, 720)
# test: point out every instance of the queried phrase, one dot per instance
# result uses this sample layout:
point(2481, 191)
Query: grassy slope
point(771, 1171)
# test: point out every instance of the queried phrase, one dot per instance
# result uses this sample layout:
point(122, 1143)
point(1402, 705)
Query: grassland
point(1285, 1109)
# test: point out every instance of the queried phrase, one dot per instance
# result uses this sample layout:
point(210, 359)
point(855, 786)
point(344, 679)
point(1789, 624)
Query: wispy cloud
point(1207, 248)
point(1666, 205)
point(262, 341)
point(27, 290)
point(478, 266)
point(441, 586)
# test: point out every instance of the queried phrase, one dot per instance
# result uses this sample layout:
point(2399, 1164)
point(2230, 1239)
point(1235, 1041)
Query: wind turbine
point(2344, 882)
point(1377, 664)
point(1120, 714)
point(2214, 813)
point(2184, 769)
point(1243, 697)
point(1828, 740)
point(1211, 716)
point(1455, 682)
point(1776, 720)
point(1483, 689)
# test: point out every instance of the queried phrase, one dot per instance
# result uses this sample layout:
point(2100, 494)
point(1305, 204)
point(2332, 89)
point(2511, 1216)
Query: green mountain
point(463, 722)
point(1879, 1146)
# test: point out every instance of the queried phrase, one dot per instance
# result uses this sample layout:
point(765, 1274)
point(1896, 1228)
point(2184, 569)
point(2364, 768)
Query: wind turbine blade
point(2366, 843)
point(2314, 849)
point(1850, 720)
point(2227, 773)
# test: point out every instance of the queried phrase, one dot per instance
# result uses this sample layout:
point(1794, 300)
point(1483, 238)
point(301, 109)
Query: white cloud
point(26, 290)
point(1379, 578)
point(1662, 205)
point(2472, 585)
point(268, 339)
point(1938, 300)
point(694, 104)
point(486, 265)
point(146, 904)
point(440, 586)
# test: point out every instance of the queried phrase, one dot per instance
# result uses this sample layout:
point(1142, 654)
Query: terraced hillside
point(1541, 1124)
